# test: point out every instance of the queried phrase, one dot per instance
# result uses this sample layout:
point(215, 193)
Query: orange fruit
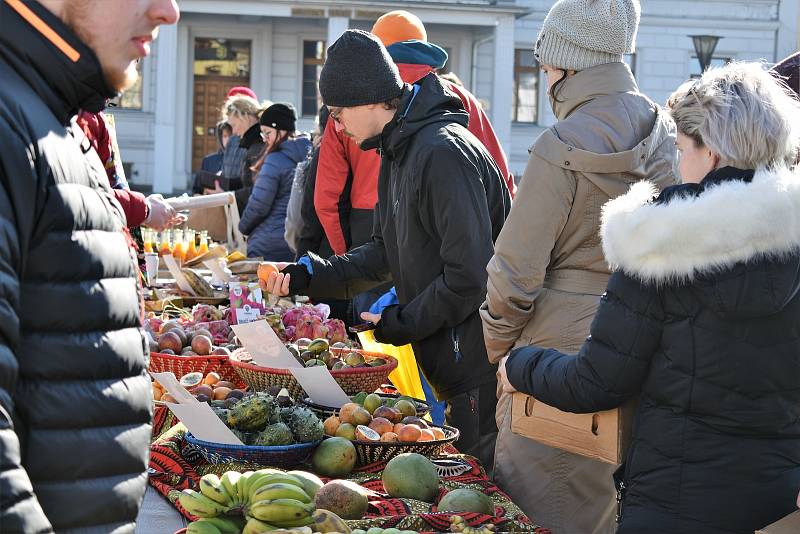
point(264, 268)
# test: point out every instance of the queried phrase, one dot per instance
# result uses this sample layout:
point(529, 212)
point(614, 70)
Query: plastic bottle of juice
point(203, 242)
point(147, 238)
point(191, 251)
point(165, 247)
point(179, 247)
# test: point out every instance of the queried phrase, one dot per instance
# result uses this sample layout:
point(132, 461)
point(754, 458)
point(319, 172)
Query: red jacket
point(133, 203)
point(340, 155)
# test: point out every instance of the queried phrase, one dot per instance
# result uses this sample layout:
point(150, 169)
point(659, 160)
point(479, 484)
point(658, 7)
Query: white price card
point(320, 386)
point(216, 269)
point(174, 388)
point(264, 345)
point(176, 273)
point(203, 423)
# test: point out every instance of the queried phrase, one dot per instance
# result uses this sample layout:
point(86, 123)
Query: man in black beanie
point(441, 204)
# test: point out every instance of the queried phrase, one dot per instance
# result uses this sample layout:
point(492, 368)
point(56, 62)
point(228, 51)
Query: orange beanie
point(397, 26)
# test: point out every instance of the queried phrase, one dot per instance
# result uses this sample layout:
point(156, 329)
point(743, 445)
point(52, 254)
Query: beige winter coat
point(548, 271)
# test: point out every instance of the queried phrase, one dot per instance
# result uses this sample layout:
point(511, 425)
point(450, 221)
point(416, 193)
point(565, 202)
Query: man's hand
point(501, 369)
point(161, 215)
point(373, 318)
point(217, 189)
point(276, 282)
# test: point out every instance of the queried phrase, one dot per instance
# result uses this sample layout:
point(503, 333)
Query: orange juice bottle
point(179, 249)
point(165, 247)
point(203, 242)
point(147, 238)
point(191, 251)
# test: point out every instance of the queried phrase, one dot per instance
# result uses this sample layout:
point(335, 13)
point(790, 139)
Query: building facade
point(165, 124)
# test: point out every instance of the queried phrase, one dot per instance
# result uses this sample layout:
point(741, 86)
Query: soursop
point(304, 423)
point(276, 434)
point(253, 413)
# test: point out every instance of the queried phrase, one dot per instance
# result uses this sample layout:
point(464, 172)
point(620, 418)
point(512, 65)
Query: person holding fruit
point(441, 203)
point(700, 320)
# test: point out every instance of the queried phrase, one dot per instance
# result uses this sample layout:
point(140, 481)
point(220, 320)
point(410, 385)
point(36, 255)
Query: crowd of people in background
point(650, 254)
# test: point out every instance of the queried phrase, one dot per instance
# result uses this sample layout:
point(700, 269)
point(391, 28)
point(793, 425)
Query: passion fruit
point(365, 433)
point(190, 380)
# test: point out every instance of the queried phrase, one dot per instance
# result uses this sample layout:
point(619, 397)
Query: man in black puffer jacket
point(74, 392)
point(441, 204)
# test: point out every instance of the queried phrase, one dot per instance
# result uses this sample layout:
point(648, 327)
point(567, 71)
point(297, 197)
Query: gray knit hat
point(358, 70)
point(578, 34)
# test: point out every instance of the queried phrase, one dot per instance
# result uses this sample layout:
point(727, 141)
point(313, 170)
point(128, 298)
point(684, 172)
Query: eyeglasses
point(336, 114)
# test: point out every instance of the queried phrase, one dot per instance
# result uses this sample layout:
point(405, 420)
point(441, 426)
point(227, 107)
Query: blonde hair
point(741, 113)
point(241, 106)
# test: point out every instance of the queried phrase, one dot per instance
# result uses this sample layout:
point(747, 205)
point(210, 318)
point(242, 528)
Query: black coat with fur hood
point(701, 320)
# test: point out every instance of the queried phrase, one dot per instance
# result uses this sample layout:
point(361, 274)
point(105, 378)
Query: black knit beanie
point(358, 71)
point(279, 116)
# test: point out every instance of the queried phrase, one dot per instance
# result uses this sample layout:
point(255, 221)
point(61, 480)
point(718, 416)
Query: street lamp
point(704, 46)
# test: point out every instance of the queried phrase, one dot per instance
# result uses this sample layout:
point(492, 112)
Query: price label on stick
point(203, 423)
point(320, 386)
point(264, 345)
point(174, 388)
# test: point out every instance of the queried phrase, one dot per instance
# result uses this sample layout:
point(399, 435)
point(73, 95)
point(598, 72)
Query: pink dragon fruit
point(336, 330)
point(290, 333)
point(291, 316)
point(311, 327)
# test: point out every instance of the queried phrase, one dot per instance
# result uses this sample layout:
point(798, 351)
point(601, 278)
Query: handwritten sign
point(203, 423)
point(264, 345)
point(320, 386)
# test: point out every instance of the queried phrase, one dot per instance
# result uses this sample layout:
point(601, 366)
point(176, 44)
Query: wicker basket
point(181, 365)
point(276, 456)
point(323, 412)
point(369, 452)
point(352, 381)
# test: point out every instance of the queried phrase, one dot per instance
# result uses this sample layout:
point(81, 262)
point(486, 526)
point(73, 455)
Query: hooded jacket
point(548, 271)
point(441, 204)
point(264, 218)
point(347, 183)
point(702, 320)
point(253, 145)
point(75, 400)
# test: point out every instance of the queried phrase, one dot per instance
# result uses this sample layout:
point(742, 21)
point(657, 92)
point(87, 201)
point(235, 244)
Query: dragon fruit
point(311, 327)
point(291, 317)
point(289, 331)
point(336, 330)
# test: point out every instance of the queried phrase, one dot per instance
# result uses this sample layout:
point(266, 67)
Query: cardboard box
point(788, 525)
point(604, 436)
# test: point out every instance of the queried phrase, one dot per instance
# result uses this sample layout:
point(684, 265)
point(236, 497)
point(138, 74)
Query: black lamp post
point(704, 46)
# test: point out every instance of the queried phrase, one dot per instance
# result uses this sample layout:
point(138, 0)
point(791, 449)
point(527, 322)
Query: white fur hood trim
point(728, 223)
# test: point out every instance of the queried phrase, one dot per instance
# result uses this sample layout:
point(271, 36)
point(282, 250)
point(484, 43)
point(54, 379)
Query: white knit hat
point(578, 34)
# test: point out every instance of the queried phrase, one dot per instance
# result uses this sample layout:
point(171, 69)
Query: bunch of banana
point(327, 522)
point(199, 505)
point(458, 524)
point(216, 525)
point(282, 513)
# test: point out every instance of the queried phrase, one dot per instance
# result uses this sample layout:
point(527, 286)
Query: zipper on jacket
point(620, 498)
point(456, 349)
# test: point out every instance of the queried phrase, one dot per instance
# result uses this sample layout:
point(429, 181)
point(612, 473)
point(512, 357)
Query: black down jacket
point(441, 204)
point(702, 321)
point(75, 399)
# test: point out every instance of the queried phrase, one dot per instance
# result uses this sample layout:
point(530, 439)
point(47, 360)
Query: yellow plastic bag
point(406, 376)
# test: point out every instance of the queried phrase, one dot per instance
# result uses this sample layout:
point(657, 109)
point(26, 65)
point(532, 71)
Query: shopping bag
point(406, 376)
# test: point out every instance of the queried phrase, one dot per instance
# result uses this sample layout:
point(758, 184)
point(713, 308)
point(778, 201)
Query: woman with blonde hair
point(242, 112)
point(701, 319)
point(548, 271)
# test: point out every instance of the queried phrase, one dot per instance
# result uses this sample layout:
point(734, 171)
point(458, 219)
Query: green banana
point(199, 505)
point(211, 487)
point(201, 527)
point(280, 511)
point(311, 482)
point(279, 490)
point(295, 523)
point(272, 478)
point(229, 483)
point(226, 525)
point(327, 521)
point(255, 526)
point(257, 479)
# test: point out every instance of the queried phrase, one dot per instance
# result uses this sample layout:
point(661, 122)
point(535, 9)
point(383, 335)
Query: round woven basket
point(181, 365)
point(323, 412)
point(369, 452)
point(352, 381)
point(276, 456)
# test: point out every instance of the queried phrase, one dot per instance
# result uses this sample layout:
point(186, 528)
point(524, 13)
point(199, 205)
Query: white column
point(503, 84)
point(788, 34)
point(336, 27)
point(165, 109)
